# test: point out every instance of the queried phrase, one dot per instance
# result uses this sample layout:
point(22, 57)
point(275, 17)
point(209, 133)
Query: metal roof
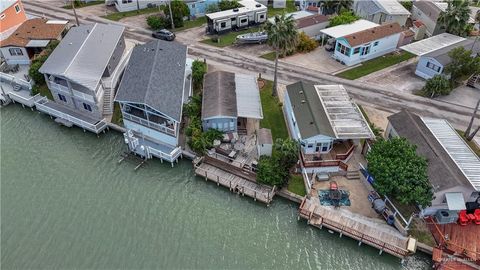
point(38, 43)
point(392, 7)
point(455, 201)
point(83, 54)
point(247, 6)
point(431, 44)
point(345, 117)
point(248, 97)
point(458, 150)
point(347, 29)
point(155, 76)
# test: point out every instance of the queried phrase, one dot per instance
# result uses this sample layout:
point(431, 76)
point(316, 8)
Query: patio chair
point(476, 214)
point(463, 218)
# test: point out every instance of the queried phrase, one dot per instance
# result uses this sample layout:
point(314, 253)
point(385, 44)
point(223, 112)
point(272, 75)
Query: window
point(223, 25)
point(434, 67)
point(310, 145)
point(87, 107)
point(2, 16)
point(343, 49)
point(375, 43)
point(15, 51)
point(243, 21)
point(262, 16)
point(325, 148)
point(356, 50)
point(17, 8)
point(232, 125)
point(62, 98)
point(233, 19)
point(126, 1)
point(366, 50)
point(193, 5)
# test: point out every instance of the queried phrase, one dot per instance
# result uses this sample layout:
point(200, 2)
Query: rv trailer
point(250, 13)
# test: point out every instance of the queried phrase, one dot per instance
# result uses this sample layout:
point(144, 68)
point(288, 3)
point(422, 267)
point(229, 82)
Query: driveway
point(319, 60)
point(463, 95)
point(400, 77)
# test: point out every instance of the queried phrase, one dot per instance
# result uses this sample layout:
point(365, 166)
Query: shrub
point(179, 11)
point(305, 43)
point(156, 22)
point(275, 170)
point(199, 68)
point(437, 86)
point(228, 4)
point(212, 8)
point(33, 72)
point(345, 17)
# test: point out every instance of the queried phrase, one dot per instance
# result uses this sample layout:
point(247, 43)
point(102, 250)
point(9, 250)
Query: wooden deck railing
point(346, 155)
point(240, 172)
point(323, 163)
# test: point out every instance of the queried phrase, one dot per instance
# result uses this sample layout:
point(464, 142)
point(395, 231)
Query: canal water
point(66, 203)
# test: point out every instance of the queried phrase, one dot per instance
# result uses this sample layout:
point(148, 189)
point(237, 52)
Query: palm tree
point(283, 37)
point(330, 6)
point(73, 2)
point(468, 132)
point(455, 17)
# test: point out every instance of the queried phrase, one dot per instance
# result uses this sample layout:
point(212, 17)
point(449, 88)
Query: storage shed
point(264, 142)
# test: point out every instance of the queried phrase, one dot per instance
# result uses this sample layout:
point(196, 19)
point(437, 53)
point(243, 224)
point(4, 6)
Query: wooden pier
point(236, 180)
point(365, 232)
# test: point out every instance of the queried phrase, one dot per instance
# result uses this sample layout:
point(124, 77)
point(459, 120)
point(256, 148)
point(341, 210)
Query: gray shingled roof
point(442, 55)
point(83, 54)
point(443, 173)
point(219, 97)
point(309, 112)
point(155, 76)
point(429, 9)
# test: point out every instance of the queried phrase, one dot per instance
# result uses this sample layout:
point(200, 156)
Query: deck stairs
point(474, 79)
point(107, 101)
point(353, 175)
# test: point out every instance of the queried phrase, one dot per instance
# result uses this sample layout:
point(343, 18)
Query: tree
point(335, 6)
point(399, 172)
point(282, 36)
point(212, 8)
point(345, 17)
point(407, 5)
point(468, 132)
point(275, 170)
point(179, 11)
point(287, 152)
point(157, 22)
point(462, 63)
point(199, 68)
point(306, 43)
point(437, 86)
point(228, 4)
point(455, 18)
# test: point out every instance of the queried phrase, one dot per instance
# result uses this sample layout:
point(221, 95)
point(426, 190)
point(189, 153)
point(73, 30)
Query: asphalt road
point(388, 100)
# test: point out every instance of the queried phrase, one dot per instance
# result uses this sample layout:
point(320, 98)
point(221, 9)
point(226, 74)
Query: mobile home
point(250, 13)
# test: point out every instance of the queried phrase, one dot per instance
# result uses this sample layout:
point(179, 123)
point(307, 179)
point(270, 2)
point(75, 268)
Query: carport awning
point(37, 43)
point(455, 201)
point(432, 44)
point(347, 29)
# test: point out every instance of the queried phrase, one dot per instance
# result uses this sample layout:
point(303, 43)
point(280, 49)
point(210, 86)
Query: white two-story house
point(82, 74)
point(381, 11)
point(156, 84)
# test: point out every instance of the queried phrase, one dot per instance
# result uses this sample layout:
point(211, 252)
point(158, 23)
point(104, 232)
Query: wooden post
point(255, 196)
point(230, 185)
point(206, 176)
point(218, 181)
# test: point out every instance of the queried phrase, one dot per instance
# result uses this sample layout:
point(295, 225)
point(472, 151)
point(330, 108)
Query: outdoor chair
point(463, 218)
point(477, 216)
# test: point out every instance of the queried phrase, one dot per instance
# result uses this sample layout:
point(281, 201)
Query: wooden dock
point(385, 239)
point(233, 179)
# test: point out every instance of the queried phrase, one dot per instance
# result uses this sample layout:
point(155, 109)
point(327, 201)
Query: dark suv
point(164, 34)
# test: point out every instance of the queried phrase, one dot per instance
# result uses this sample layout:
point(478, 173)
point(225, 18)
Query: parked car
point(330, 46)
point(164, 34)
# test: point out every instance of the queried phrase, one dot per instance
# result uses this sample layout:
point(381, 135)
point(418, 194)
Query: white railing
point(96, 128)
point(12, 79)
point(150, 124)
point(111, 81)
point(169, 157)
point(30, 101)
point(83, 96)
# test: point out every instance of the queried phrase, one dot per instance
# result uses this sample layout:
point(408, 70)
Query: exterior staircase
point(353, 175)
point(107, 101)
point(473, 80)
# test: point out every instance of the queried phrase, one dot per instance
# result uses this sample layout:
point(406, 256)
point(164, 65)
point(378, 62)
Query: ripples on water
point(66, 203)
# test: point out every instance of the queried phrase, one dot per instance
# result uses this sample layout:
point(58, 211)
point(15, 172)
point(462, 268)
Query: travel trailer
point(251, 13)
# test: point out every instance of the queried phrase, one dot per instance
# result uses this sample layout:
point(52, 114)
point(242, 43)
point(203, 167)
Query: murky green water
point(66, 203)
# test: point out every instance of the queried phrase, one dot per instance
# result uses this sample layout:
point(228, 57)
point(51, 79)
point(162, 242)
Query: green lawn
point(296, 185)
point(228, 38)
point(274, 11)
point(470, 143)
point(83, 4)
point(272, 113)
point(117, 115)
point(191, 24)
point(375, 65)
point(42, 90)
point(269, 56)
point(120, 15)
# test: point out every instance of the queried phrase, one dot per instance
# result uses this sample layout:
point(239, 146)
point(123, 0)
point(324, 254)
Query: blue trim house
point(364, 45)
point(156, 84)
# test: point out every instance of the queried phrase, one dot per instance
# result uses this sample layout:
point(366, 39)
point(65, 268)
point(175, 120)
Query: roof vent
point(300, 92)
point(311, 122)
point(235, 10)
point(303, 101)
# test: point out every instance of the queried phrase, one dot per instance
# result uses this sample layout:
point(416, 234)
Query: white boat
point(255, 37)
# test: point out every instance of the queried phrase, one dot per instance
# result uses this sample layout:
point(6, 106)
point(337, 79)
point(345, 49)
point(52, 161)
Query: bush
point(199, 68)
point(437, 86)
point(156, 22)
point(345, 17)
point(179, 11)
point(305, 43)
point(228, 4)
point(212, 8)
point(33, 72)
point(275, 170)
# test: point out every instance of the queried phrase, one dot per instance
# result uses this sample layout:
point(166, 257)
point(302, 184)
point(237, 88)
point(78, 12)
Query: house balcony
point(149, 147)
point(338, 156)
point(138, 117)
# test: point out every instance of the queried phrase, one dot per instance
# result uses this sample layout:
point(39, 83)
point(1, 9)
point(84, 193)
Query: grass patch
point(191, 24)
point(80, 4)
point(120, 15)
point(420, 232)
point(376, 64)
point(470, 143)
point(269, 56)
point(272, 113)
point(296, 185)
point(228, 38)
point(117, 115)
point(277, 11)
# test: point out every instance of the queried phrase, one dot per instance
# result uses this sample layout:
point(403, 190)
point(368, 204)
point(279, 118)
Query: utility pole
point(171, 16)
point(75, 12)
